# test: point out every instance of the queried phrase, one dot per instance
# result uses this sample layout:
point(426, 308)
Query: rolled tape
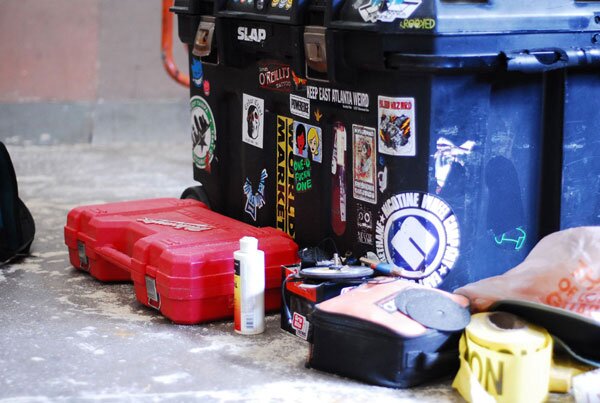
point(504, 358)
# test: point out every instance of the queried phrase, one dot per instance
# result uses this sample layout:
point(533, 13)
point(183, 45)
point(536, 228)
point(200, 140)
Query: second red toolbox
point(178, 253)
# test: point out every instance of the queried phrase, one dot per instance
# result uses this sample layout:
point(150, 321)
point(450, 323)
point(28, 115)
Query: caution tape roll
point(504, 359)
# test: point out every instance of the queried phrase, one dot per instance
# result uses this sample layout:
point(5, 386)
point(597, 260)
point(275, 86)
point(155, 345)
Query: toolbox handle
point(439, 63)
point(525, 61)
point(541, 60)
point(115, 257)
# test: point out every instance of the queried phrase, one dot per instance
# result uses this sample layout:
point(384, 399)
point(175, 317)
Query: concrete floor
point(67, 337)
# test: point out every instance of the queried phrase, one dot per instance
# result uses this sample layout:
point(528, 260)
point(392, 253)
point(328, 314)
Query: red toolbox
point(178, 253)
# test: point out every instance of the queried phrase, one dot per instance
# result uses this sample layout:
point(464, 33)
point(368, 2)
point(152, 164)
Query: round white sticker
point(204, 133)
point(418, 233)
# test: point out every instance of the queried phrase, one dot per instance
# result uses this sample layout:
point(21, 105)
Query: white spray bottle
point(249, 291)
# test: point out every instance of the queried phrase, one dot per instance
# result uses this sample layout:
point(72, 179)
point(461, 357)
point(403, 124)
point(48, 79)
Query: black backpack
point(17, 227)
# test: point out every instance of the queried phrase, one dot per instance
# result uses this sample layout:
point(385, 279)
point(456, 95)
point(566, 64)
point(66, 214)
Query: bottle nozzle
point(248, 244)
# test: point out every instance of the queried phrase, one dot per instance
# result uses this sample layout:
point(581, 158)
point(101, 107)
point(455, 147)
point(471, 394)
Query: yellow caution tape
point(504, 359)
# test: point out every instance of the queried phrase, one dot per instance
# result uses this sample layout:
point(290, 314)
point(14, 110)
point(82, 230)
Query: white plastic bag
point(563, 270)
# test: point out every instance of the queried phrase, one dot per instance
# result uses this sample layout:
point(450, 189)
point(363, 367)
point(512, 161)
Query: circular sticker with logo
point(418, 233)
point(204, 133)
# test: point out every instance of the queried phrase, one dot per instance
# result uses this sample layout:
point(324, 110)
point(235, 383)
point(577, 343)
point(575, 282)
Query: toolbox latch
point(204, 36)
point(83, 259)
point(315, 50)
point(152, 293)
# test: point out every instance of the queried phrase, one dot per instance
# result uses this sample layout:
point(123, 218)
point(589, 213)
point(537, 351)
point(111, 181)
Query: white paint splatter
point(91, 349)
point(573, 146)
point(29, 268)
point(171, 378)
point(164, 336)
point(333, 389)
point(47, 255)
point(86, 332)
point(105, 303)
point(45, 138)
point(76, 383)
point(31, 179)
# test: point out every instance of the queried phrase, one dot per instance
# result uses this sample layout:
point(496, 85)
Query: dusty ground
point(67, 337)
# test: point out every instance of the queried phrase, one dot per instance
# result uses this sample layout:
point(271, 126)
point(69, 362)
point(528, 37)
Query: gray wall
point(81, 71)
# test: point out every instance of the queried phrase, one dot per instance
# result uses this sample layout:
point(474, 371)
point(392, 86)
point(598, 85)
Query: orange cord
point(167, 46)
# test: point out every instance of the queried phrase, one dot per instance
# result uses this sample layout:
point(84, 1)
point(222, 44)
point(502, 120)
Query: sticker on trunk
point(300, 324)
point(364, 222)
point(285, 195)
point(338, 179)
point(253, 120)
point(280, 77)
point(352, 100)
point(386, 10)
point(255, 200)
point(308, 142)
point(204, 133)
point(397, 135)
point(180, 225)
point(302, 175)
point(197, 72)
point(299, 106)
point(418, 233)
point(365, 183)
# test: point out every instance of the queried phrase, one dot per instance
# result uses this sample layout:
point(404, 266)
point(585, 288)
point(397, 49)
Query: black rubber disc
point(404, 296)
point(433, 310)
point(438, 312)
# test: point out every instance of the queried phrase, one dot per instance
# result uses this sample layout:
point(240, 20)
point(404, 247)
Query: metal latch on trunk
point(152, 293)
point(315, 50)
point(204, 36)
point(83, 259)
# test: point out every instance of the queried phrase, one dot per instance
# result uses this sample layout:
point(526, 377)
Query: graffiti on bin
point(248, 34)
point(426, 24)
point(446, 155)
point(515, 238)
point(318, 115)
